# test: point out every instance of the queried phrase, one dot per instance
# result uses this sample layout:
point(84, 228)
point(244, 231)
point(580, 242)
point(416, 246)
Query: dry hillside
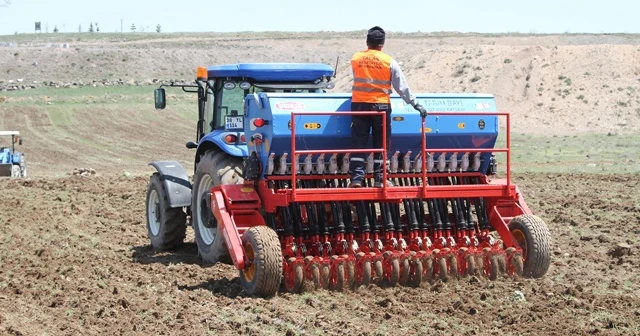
point(564, 84)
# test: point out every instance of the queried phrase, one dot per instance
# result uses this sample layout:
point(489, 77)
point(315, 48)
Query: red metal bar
point(343, 176)
point(424, 157)
point(424, 188)
point(395, 193)
point(325, 151)
point(384, 153)
point(225, 219)
point(508, 150)
point(294, 161)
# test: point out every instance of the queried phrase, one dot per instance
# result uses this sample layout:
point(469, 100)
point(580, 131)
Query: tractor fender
point(214, 139)
point(175, 181)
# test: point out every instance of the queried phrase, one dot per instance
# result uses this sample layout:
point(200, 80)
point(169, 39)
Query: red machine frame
point(237, 207)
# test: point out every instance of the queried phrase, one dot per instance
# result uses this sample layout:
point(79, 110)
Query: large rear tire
point(215, 168)
point(15, 171)
point(23, 166)
point(165, 226)
point(532, 234)
point(262, 276)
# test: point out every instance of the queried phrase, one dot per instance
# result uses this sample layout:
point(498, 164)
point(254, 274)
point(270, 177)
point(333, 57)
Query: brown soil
point(76, 260)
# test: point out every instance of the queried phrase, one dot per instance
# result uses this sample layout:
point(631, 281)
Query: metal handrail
point(366, 150)
point(383, 150)
point(478, 150)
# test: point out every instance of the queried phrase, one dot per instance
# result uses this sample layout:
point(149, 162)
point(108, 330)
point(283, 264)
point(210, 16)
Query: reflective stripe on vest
point(372, 77)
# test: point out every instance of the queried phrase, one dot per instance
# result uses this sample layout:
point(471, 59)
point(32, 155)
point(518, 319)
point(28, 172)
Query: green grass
point(585, 153)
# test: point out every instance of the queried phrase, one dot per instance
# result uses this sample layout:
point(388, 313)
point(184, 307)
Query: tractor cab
point(222, 90)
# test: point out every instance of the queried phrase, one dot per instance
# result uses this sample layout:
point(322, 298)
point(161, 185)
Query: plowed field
point(76, 260)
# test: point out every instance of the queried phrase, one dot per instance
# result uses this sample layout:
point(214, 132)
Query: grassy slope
point(107, 107)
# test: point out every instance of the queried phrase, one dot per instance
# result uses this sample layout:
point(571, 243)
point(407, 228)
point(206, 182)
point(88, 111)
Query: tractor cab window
point(230, 108)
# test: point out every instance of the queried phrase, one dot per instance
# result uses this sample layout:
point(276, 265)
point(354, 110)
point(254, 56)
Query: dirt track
point(76, 260)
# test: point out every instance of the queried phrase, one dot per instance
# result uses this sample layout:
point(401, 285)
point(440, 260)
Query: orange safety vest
point(371, 77)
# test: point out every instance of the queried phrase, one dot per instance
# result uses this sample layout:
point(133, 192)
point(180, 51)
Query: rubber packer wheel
point(532, 234)
point(295, 280)
point(442, 268)
point(518, 264)
point(427, 264)
point(379, 272)
point(405, 272)
point(337, 278)
point(416, 272)
point(394, 275)
point(262, 276)
point(471, 265)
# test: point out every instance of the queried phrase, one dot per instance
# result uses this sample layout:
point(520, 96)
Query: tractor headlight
point(245, 85)
point(229, 85)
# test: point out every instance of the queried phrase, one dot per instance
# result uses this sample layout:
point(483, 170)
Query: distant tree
point(55, 29)
point(133, 27)
point(97, 28)
point(79, 28)
point(91, 27)
point(5, 3)
point(158, 28)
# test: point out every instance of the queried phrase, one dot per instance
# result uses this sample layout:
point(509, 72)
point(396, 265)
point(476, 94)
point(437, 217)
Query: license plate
point(234, 123)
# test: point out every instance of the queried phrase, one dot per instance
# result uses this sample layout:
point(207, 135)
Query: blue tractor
point(173, 202)
point(12, 162)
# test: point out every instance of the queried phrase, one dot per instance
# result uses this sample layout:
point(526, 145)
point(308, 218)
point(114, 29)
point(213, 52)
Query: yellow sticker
point(247, 190)
point(427, 130)
point(461, 125)
point(312, 126)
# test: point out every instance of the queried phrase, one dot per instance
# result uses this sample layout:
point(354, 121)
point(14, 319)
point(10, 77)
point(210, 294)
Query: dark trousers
point(361, 127)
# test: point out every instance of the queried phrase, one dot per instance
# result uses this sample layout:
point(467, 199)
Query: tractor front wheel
point(533, 236)
point(214, 168)
point(261, 276)
point(165, 226)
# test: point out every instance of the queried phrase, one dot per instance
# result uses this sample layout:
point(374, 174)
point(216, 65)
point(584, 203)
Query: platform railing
point(423, 191)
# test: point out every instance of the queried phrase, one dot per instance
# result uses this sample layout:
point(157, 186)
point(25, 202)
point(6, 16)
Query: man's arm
point(400, 85)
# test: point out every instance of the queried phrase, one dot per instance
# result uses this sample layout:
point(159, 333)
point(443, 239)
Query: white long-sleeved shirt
point(400, 85)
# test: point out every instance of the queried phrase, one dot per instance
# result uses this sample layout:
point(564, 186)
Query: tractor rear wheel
point(215, 168)
point(165, 226)
point(23, 166)
point(261, 276)
point(532, 234)
point(15, 171)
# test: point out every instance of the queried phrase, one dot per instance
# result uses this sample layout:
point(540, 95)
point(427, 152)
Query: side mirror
point(160, 98)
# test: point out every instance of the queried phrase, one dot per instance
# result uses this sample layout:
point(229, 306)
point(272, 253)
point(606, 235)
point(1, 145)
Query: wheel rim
point(249, 271)
point(208, 235)
point(153, 204)
point(519, 237)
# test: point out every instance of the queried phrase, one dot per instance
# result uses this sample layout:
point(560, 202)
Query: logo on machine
point(312, 126)
point(398, 118)
point(482, 106)
point(461, 125)
point(290, 106)
point(481, 124)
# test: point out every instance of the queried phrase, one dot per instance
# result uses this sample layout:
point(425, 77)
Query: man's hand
point(422, 110)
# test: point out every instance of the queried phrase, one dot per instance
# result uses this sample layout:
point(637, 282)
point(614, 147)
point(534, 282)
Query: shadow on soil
point(187, 254)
